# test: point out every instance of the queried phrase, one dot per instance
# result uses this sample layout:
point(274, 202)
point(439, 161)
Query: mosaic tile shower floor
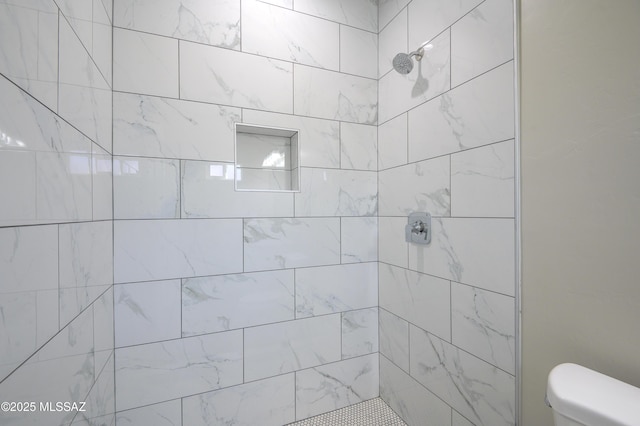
point(373, 412)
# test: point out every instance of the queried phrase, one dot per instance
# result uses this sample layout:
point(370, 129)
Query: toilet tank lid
point(592, 398)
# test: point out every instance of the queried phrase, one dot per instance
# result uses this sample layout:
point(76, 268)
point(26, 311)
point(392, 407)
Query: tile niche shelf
point(267, 158)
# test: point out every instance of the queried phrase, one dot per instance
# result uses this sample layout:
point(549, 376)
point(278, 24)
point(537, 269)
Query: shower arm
point(419, 52)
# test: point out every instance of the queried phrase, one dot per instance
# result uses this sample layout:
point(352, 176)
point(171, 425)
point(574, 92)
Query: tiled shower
point(134, 277)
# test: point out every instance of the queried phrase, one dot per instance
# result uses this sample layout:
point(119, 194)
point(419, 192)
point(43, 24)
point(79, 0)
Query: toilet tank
point(580, 396)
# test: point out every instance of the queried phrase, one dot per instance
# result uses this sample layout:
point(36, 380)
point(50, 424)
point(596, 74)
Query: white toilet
point(579, 396)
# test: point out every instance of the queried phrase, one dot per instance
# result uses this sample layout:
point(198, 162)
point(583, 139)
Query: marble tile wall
point(446, 146)
point(243, 307)
point(56, 230)
point(292, 304)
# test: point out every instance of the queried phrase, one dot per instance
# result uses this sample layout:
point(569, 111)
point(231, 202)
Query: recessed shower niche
point(267, 158)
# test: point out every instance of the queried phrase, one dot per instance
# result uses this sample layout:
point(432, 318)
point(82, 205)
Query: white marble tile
point(333, 386)
point(103, 325)
point(215, 22)
point(145, 63)
point(358, 239)
point(388, 9)
point(73, 300)
point(45, 88)
point(102, 183)
point(208, 191)
point(100, 402)
point(100, 13)
point(409, 399)
point(329, 192)
point(86, 254)
point(24, 325)
point(29, 48)
point(76, 338)
point(29, 258)
point(428, 18)
point(358, 146)
point(477, 390)
point(158, 372)
point(282, 3)
point(269, 402)
point(356, 13)
point(393, 247)
point(393, 40)
point(483, 323)
point(482, 181)
point(290, 243)
point(146, 188)
point(394, 338)
point(474, 251)
point(359, 332)
point(339, 288)
point(458, 420)
point(108, 6)
point(163, 414)
point(358, 52)
point(291, 36)
point(319, 139)
point(477, 113)
point(59, 189)
point(421, 299)
point(147, 312)
point(415, 187)
point(106, 420)
point(248, 179)
point(76, 9)
point(393, 143)
point(89, 109)
point(265, 180)
point(63, 379)
point(102, 49)
point(227, 77)
point(19, 201)
point(84, 97)
point(430, 77)
point(481, 40)
point(26, 125)
point(168, 128)
point(280, 348)
point(332, 95)
point(79, 15)
point(63, 370)
point(47, 308)
point(43, 5)
point(162, 249)
point(63, 187)
point(226, 302)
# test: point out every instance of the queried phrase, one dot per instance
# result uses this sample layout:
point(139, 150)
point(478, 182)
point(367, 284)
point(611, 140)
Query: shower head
point(403, 63)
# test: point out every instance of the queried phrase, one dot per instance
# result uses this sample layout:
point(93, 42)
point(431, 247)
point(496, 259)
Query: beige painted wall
point(580, 138)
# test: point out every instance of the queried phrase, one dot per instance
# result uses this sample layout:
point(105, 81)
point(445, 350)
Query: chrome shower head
point(403, 63)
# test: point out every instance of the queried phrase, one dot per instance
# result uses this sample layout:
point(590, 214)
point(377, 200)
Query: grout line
point(451, 312)
point(179, 69)
point(244, 355)
point(58, 73)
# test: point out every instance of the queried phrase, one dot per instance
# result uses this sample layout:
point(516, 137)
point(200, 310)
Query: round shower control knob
point(418, 227)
